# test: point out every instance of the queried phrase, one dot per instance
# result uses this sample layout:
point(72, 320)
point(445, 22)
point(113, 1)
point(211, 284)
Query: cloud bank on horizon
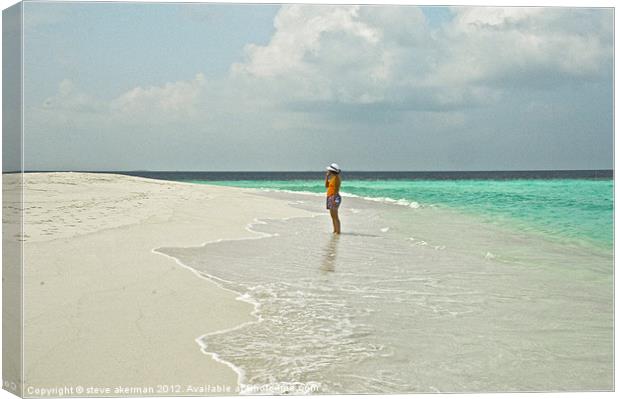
point(372, 87)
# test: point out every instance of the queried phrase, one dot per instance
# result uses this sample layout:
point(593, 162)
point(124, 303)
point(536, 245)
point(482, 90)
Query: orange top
point(332, 184)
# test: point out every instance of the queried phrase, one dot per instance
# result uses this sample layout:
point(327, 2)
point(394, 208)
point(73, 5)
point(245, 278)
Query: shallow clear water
point(564, 209)
point(413, 300)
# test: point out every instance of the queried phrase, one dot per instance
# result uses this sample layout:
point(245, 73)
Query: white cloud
point(366, 55)
point(69, 98)
point(300, 32)
point(320, 53)
point(173, 100)
point(492, 46)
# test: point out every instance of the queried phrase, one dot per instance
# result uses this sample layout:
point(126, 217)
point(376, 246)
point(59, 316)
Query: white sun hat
point(334, 168)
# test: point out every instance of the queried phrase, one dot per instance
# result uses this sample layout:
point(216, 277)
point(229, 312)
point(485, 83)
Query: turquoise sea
point(578, 210)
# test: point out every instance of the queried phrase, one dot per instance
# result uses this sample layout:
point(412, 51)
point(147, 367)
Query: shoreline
point(239, 296)
point(62, 301)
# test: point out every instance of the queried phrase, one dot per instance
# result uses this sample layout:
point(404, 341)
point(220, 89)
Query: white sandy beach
point(102, 309)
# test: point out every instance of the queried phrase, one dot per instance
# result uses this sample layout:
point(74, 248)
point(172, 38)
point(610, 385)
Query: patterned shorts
point(333, 201)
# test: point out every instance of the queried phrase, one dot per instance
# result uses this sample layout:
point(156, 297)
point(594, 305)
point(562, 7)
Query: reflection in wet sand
point(359, 235)
point(329, 254)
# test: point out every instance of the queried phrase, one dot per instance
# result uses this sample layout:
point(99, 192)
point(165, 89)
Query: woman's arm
point(337, 184)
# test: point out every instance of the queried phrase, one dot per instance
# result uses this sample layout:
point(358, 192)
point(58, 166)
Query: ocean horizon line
point(490, 175)
point(305, 171)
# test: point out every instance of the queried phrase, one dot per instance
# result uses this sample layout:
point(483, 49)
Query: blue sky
point(121, 86)
point(133, 44)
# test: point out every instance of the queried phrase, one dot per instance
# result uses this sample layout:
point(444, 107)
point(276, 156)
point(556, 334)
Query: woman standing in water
point(332, 183)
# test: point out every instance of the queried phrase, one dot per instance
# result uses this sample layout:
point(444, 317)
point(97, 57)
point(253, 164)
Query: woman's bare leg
point(335, 220)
